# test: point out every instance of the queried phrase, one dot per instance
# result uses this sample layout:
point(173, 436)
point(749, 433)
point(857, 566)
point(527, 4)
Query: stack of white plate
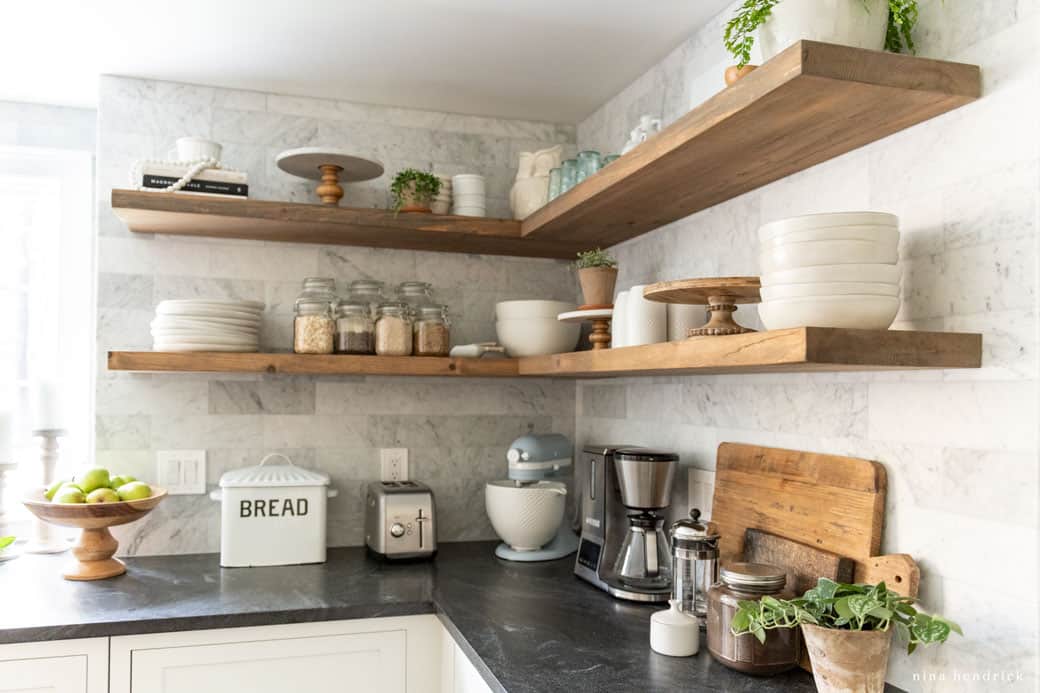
point(830, 270)
point(207, 325)
point(442, 203)
point(468, 195)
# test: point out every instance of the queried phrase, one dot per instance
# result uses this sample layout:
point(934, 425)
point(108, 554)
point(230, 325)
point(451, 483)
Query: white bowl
point(468, 183)
point(778, 291)
point(525, 517)
point(469, 212)
point(531, 308)
point(537, 336)
point(792, 255)
point(854, 311)
point(822, 221)
point(871, 273)
point(878, 234)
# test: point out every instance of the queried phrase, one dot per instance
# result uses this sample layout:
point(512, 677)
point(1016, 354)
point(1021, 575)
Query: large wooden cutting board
point(833, 503)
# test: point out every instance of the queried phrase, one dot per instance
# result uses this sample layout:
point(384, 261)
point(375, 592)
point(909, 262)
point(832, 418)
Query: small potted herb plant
point(847, 630)
point(414, 190)
point(597, 273)
point(874, 24)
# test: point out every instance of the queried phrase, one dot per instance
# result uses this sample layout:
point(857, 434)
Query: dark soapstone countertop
point(528, 627)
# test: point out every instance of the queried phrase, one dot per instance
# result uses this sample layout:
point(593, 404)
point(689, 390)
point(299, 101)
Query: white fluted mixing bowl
point(525, 517)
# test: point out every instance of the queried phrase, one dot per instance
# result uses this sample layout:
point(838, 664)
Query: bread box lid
point(266, 475)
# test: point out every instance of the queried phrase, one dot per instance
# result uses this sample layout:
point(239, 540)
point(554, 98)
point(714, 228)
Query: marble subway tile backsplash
point(457, 430)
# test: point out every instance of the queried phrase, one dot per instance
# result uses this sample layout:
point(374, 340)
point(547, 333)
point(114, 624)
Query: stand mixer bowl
point(525, 516)
point(645, 477)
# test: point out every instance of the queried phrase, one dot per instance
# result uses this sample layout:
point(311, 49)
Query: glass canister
point(394, 330)
point(744, 653)
point(695, 563)
point(568, 175)
point(588, 164)
point(367, 291)
point(555, 181)
point(609, 159)
point(414, 294)
point(313, 328)
point(432, 332)
point(355, 329)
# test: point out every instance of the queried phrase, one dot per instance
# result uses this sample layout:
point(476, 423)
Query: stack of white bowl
point(530, 328)
point(468, 195)
point(830, 270)
point(207, 325)
point(442, 203)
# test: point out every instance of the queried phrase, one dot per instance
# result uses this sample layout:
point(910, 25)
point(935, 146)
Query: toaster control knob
point(397, 530)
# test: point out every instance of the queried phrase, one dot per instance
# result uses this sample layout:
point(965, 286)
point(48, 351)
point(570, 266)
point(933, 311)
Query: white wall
point(960, 446)
point(40, 125)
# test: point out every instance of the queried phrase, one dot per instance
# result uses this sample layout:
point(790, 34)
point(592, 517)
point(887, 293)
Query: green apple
point(69, 494)
point(103, 495)
point(135, 490)
point(70, 484)
point(49, 494)
point(117, 481)
point(92, 479)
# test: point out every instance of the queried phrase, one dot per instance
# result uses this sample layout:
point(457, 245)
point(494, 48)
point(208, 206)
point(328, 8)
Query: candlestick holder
point(46, 538)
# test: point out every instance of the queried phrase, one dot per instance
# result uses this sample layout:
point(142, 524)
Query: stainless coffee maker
point(623, 547)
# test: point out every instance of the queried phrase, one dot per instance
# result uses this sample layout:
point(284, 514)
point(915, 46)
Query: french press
point(695, 563)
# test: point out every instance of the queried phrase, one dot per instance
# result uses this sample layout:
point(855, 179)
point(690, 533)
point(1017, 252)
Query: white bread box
point(273, 514)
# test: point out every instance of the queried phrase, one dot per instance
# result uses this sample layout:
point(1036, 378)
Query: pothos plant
point(414, 184)
point(841, 606)
point(740, 31)
point(595, 258)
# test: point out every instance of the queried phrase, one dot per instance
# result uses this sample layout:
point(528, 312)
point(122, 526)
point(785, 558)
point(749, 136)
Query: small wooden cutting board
point(804, 564)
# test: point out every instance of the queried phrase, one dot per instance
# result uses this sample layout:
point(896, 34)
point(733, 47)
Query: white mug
point(195, 148)
point(647, 320)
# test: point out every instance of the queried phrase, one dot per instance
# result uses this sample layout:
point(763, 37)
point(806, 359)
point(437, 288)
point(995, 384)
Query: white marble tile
point(993, 277)
point(157, 395)
point(175, 287)
point(122, 432)
point(128, 291)
point(287, 431)
point(273, 395)
point(206, 431)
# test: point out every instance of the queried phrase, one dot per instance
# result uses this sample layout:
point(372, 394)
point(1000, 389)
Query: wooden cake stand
point(720, 294)
point(331, 167)
point(600, 319)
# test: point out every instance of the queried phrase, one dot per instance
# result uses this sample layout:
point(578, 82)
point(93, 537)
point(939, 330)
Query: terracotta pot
point(734, 73)
point(846, 661)
point(597, 284)
point(411, 203)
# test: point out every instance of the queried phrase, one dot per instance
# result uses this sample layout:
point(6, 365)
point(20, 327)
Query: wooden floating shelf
point(812, 102)
point(800, 349)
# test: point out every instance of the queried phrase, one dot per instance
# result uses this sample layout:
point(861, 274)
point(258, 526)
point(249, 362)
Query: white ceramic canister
point(272, 514)
point(195, 148)
point(674, 633)
point(647, 320)
point(857, 23)
point(619, 321)
point(683, 318)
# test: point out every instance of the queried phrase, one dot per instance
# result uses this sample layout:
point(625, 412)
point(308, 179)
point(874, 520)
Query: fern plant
point(739, 37)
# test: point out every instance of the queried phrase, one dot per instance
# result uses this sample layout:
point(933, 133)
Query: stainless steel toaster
point(400, 520)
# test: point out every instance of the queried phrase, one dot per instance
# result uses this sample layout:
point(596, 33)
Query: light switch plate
point(701, 490)
point(393, 464)
point(181, 472)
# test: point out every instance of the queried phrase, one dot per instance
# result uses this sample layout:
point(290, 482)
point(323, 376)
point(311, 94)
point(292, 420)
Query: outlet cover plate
point(181, 472)
point(393, 464)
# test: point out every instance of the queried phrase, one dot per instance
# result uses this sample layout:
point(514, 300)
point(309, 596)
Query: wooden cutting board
point(833, 503)
point(804, 563)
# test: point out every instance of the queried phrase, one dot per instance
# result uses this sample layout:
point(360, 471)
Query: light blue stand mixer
point(527, 509)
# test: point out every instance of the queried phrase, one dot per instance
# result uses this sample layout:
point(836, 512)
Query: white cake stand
point(331, 167)
point(600, 319)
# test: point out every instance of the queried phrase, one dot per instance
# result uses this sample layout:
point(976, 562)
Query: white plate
point(208, 321)
point(878, 234)
point(205, 312)
point(823, 289)
point(204, 332)
point(257, 306)
point(885, 274)
point(206, 347)
point(820, 221)
point(227, 341)
point(812, 253)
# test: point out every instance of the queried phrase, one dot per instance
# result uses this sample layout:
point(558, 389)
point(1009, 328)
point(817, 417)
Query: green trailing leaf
point(5, 542)
point(419, 185)
point(839, 606)
point(739, 37)
point(595, 258)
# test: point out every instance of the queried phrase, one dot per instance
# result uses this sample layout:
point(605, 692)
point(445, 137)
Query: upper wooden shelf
point(799, 349)
point(812, 102)
point(226, 217)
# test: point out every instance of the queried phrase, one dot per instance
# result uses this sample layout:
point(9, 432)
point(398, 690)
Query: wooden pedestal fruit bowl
point(96, 546)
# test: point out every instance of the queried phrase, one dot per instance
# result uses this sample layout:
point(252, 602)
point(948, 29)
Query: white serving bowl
point(854, 311)
point(525, 517)
point(877, 234)
point(537, 336)
point(780, 291)
point(810, 254)
point(531, 308)
point(871, 273)
point(822, 221)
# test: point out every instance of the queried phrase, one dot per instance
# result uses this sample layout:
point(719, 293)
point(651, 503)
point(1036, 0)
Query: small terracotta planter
point(597, 285)
point(410, 203)
point(734, 73)
point(844, 661)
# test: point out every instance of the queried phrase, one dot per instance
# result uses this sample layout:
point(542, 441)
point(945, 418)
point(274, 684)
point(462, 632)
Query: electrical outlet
point(181, 472)
point(393, 463)
point(701, 490)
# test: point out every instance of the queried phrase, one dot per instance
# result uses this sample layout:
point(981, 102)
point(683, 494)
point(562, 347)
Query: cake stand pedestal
point(600, 319)
point(331, 167)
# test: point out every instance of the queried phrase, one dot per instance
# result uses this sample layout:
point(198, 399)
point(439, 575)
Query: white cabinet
point(384, 655)
point(58, 666)
point(458, 675)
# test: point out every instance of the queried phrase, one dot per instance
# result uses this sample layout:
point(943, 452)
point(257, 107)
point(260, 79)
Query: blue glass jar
point(568, 175)
point(555, 182)
point(588, 164)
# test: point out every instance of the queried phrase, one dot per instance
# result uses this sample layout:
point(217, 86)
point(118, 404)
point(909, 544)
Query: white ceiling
point(543, 59)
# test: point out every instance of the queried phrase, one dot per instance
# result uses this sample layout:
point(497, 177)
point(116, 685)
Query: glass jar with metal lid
point(313, 328)
point(750, 582)
point(695, 563)
point(415, 294)
point(369, 292)
point(432, 332)
point(355, 329)
point(394, 330)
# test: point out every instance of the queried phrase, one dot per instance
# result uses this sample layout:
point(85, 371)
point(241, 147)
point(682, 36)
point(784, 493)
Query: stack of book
point(208, 181)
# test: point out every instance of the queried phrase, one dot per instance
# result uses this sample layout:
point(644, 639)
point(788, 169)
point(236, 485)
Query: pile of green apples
point(96, 486)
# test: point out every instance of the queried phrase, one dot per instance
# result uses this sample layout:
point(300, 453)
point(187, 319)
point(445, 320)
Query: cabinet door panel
point(44, 675)
point(467, 678)
point(327, 664)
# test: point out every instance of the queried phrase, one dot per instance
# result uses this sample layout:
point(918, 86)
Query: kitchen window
point(46, 302)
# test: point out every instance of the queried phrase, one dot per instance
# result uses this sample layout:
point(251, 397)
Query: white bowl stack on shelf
point(468, 195)
point(531, 328)
point(442, 203)
point(207, 325)
point(830, 270)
